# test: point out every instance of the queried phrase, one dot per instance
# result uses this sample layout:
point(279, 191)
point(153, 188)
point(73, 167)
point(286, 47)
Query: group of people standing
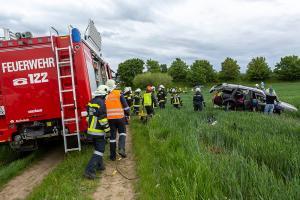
point(109, 110)
point(271, 98)
point(150, 99)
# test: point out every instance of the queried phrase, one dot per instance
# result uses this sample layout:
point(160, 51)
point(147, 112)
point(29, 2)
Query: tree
point(230, 70)
point(288, 68)
point(258, 69)
point(178, 70)
point(202, 72)
point(128, 69)
point(163, 68)
point(156, 79)
point(153, 66)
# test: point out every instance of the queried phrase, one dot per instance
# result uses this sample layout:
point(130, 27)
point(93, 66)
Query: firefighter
point(98, 127)
point(154, 96)
point(198, 100)
point(176, 99)
point(161, 96)
point(149, 101)
point(128, 96)
point(137, 101)
point(117, 110)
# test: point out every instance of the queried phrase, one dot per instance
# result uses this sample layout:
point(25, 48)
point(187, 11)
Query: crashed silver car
point(235, 97)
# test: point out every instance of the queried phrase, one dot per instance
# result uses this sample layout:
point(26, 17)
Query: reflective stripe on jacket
point(114, 106)
point(137, 100)
point(176, 100)
point(97, 121)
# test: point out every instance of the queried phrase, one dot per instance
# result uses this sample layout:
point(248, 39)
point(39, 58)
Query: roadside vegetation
point(202, 72)
point(180, 155)
point(66, 181)
point(244, 156)
point(13, 163)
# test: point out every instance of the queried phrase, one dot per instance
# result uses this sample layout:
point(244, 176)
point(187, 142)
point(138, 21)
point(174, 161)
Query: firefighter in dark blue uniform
point(161, 97)
point(98, 127)
point(198, 100)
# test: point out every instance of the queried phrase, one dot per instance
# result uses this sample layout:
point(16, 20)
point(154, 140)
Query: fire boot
point(122, 153)
point(112, 151)
point(100, 165)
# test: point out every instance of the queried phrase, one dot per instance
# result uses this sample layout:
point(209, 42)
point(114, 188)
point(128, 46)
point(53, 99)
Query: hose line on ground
point(124, 176)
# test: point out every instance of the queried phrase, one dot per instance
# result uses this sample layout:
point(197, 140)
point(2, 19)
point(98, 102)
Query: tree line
point(131, 72)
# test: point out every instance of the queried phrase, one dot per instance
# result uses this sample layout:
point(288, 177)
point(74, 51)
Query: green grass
point(244, 156)
point(66, 181)
point(180, 156)
point(13, 163)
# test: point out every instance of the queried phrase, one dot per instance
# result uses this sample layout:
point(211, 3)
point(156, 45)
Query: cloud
point(164, 30)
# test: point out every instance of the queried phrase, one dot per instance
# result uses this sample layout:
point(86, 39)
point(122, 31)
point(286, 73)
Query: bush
point(258, 69)
point(128, 69)
point(142, 80)
point(178, 70)
point(230, 70)
point(202, 72)
point(288, 68)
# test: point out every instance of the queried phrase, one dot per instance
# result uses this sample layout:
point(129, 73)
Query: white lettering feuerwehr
point(23, 65)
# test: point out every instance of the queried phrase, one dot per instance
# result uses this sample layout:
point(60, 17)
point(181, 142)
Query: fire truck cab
point(45, 85)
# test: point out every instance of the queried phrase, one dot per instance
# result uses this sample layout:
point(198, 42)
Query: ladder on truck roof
point(66, 119)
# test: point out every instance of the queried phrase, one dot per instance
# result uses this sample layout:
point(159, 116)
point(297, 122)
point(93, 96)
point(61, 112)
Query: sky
point(166, 29)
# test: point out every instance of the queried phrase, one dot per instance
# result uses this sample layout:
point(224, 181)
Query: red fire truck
point(45, 85)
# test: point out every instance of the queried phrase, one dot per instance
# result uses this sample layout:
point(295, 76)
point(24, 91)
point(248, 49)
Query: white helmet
point(138, 90)
point(162, 87)
point(111, 84)
point(197, 89)
point(173, 90)
point(256, 85)
point(101, 91)
point(127, 89)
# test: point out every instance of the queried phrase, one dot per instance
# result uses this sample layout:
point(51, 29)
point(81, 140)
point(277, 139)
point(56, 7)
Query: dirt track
point(113, 185)
point(21, 186)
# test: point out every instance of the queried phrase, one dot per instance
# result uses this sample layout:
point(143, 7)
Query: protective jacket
point(128, 98)
point(161, 96)
point(198, 98)
point(149, 99)
point(116, 105)
point(176, 100)
point(97, 117)
point(137, 100)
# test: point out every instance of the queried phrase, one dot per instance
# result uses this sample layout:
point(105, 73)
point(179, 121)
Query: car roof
point(224, 86)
